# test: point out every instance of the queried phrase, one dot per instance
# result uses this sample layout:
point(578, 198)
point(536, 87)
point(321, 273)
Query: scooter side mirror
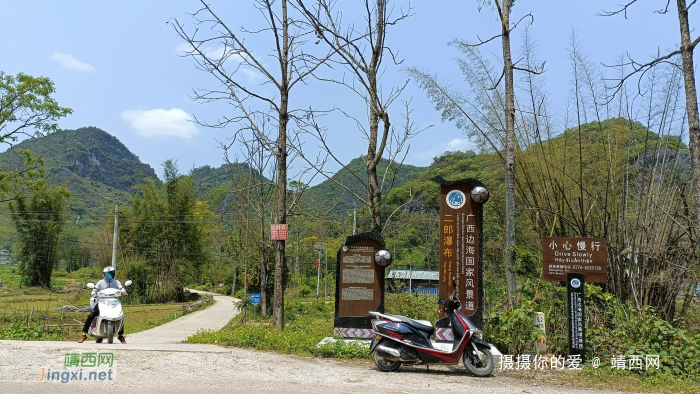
point(128, 283)
point(91, 285)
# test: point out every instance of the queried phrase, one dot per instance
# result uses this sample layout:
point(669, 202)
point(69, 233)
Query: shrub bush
point(613, 328)
point(86, 273)
point(304, 291)
point(20, 331)
point(415, 306)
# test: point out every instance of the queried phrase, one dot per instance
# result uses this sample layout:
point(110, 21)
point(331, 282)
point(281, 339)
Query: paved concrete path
point(212, 318)
point(168, 337)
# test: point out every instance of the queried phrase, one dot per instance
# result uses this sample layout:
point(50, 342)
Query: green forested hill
point(328, 195)
point(210, 180)
point(95, 166)
point(217, 185)
point(88, 152)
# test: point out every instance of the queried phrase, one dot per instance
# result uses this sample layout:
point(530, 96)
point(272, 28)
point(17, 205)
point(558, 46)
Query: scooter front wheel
point(110, 332)
point(479, 363)
point(386, 365)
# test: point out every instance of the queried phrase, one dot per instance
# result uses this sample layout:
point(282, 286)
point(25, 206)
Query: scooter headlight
point(110, 303)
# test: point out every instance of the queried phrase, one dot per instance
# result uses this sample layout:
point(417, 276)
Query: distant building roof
point(408, 274)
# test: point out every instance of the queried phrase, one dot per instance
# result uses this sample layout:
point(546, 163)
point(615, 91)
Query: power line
point(127, 247)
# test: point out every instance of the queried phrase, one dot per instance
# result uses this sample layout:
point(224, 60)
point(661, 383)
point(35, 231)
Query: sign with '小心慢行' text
point(587, 256)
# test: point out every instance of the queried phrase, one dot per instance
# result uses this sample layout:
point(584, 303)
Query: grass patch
point(306, 324)
point(28, 313)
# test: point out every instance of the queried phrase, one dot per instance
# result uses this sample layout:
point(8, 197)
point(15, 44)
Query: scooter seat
point(422, 325)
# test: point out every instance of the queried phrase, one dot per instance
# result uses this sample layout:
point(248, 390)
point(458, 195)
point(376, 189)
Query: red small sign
point(278, 232)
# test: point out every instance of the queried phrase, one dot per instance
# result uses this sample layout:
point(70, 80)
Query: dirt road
point(238, 371)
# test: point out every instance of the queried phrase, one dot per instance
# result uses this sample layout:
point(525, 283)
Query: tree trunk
point(691, 103)
point(375, 192)
point(263, 282)
point(375, 115)
point(510, 149)
point(278, 302)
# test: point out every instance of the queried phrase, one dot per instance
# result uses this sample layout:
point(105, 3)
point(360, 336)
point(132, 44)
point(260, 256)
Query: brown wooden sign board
point(359, 288)
point(577, 254)
point(460, 230)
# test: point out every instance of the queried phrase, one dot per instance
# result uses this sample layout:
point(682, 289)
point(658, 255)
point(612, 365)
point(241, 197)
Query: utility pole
point(325, 292)
point(319, 248)
point(296, 265)
point(354, 221)
point(114, 242)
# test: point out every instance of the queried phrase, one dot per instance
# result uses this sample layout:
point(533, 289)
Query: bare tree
point(462, 110)
point(362, 53)
point(267, 116)
point(631, 188)
point(504, 15)
point(686, 51)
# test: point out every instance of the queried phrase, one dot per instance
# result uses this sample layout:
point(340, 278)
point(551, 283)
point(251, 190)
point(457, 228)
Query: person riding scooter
point(109, 282)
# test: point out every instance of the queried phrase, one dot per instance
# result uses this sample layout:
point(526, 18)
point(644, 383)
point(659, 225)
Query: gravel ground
point(238, 371)
point(155, 361)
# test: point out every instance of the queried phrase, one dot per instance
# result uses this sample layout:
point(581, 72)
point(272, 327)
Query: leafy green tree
point(26, 109)
point(39, 219)
point(168, 227)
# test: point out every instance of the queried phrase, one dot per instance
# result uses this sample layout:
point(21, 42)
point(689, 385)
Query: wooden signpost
point(460, 243)
point(359, 286)
point(575, 260)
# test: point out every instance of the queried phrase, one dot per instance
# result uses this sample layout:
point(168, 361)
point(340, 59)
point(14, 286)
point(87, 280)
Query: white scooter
point(111, 318)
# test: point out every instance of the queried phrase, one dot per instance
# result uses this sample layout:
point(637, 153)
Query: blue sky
point(116, 65)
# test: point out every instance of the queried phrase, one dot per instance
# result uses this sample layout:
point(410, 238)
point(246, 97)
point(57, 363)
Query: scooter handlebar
point(102, 294)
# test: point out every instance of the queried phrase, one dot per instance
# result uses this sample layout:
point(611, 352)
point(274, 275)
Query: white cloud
point(183, 48)
point(161, 122)
point(68, 61)
point(456, 144)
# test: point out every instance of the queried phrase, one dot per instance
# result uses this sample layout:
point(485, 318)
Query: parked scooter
point(111, 318)
point(400, 340)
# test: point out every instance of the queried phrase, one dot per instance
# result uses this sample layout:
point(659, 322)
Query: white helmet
point(109, 272)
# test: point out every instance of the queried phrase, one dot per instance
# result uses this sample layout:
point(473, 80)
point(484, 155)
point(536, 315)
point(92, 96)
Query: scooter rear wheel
point(479, 364)
point(386, 365)
point(98, 340)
